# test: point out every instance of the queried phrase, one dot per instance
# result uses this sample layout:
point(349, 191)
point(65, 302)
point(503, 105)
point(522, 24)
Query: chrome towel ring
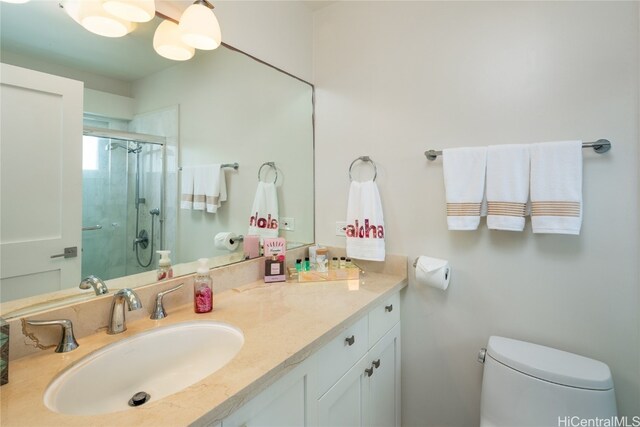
point(364, 159)
point(272, 165)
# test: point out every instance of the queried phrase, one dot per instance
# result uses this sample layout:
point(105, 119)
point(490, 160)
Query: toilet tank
point(527, 384)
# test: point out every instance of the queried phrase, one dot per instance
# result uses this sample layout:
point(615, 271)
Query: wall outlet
point(287, 223)
point(341, 226)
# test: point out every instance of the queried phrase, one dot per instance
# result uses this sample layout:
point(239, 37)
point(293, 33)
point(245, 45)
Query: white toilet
point(527, 384)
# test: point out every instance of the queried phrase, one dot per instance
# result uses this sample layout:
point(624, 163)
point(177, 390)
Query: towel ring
point(364, 159)
point(272, 165)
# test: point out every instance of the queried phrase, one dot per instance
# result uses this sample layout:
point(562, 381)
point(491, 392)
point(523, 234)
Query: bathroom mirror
point(221, 106)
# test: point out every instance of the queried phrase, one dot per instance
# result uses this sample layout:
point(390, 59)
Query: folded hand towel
point(186, 188)
point(464, 174)
point(263, 221)
point(507, 186)
point(365, 222)
point(556, 187)
point(213, 185)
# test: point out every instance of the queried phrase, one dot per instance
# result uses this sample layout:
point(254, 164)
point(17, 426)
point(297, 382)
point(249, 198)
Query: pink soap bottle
point(203, 288)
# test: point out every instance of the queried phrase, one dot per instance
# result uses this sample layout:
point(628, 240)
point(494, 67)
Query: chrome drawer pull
point(350, 340)
point(376, 363)
point(369, 371)
point(389, 308)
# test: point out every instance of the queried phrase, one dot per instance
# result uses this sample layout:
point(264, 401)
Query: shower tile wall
point(104, 203)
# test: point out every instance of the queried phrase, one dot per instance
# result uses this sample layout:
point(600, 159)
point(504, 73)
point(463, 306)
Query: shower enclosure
point(122, 202)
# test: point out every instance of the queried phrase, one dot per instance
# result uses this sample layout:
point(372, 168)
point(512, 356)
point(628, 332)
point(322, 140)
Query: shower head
point(113, 145)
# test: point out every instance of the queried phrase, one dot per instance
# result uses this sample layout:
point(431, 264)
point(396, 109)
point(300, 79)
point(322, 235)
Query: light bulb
point(131, 10)
point(167, 42)
point(199, 27)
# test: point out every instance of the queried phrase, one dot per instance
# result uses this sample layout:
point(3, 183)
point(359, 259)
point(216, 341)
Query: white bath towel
point(464, 176)
point(556, 187)
point(263, 220)
point(365, 222)
point(507, 186)
point(215, 189)
point(186, 187)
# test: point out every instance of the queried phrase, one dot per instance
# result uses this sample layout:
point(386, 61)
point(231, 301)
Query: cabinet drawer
point(336, 357)
point(383, 317)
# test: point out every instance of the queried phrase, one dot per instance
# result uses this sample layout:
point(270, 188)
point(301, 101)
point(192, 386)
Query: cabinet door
point(384, 383)
point(345, 404)
point(288, 402)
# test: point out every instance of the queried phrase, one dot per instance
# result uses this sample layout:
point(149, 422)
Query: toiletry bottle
point(203, 288)
point(335, 263)
point(349, 263)
point(165, 271)
point(307, 264)
point(343, 262)
point(299, 265)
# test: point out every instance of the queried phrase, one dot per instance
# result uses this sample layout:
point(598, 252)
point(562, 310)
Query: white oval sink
point(159, 362)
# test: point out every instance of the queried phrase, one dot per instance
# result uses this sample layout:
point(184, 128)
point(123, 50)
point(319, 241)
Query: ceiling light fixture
point(14, 1)
point(131, 10)
point(91, 15)
point(199, 26)
point(167, 42)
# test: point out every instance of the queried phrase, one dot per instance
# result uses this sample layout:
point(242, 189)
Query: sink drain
point(140, 398)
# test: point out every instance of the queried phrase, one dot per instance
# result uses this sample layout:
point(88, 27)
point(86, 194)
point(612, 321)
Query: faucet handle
point(67, 341)
point(159, 312)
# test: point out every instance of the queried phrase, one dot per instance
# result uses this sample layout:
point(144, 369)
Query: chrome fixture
point(113, 145)
point(366, 159)
point(482, 354)
point(158, 312)
point(96, 283)
point(67, 341)
point(92, 227)
point(117, 322)
point(272, 165)
point(600, 146)
point(140, 398)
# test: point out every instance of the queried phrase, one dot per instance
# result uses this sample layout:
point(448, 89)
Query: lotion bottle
point(203, 288)
point(165, 271)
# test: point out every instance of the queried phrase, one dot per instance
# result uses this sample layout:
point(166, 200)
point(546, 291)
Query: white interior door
point(40, 181)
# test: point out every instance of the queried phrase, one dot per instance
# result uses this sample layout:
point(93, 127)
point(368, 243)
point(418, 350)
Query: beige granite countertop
point(283, 324)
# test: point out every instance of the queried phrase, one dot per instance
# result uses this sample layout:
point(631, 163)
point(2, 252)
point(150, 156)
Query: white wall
point(394, 79)
point(278, 32)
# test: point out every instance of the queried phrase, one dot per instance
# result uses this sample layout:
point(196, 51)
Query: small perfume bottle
point(274, 269)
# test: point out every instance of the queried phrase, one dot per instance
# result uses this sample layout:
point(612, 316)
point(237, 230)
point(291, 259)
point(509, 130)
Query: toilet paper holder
point(415, 264)
point(239, 238)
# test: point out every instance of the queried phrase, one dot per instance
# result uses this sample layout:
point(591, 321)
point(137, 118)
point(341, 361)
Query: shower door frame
point(145, 139)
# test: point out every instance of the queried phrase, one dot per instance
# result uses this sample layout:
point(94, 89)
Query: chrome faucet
point(96, 283)
point(116, 318)
point(67, 341)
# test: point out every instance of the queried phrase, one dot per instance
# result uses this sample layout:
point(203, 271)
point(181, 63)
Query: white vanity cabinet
point(368, 394)
point(354, 380)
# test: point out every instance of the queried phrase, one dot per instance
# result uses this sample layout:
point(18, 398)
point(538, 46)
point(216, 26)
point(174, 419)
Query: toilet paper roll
point(225, 240)
point(433, 272)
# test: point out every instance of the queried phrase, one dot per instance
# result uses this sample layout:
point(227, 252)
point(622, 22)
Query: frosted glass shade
point(199, 28)
point(15, 1)
point(167, 42)
point(94, 18)
point(131, 10)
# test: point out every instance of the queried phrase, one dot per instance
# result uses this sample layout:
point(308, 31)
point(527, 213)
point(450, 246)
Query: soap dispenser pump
point(165, 270)
point(203, 288)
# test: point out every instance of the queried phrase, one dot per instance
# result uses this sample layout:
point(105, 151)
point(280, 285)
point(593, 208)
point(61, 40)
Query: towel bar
point(600, 146)
point(233, 166)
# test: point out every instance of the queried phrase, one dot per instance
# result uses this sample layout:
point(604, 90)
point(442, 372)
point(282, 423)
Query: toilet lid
point(551, 365)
